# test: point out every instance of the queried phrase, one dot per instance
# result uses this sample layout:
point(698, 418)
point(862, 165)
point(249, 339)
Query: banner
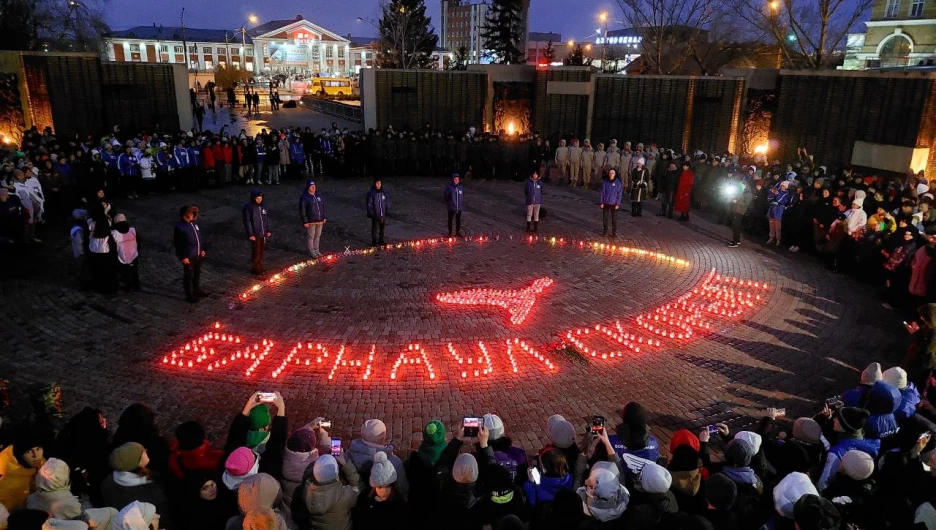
point(282, 54)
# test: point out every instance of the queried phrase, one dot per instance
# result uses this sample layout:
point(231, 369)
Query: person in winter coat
point(190, 452)
point(780, 198)
point(651, 498)
point(737, 467)
point(848, 424)
point(668, 182)
point(740, 203)
point(454, 200)
point(201, 502)
point(53, 491)
point(19, 464)
point(189, 248)
point(131, 481)
point(575, 163)
point(128, 254)
point(683, 201)
point(381, 504)
point(137, 424)
point(302, 449)
point(103, 275)
point(632, 436)
point(495, 447)
point(785, 495)
point(554, 474)
point(283, 149)
point(562, 160)
point(261, 170)
point(609, 200)
point(257, 227)
point(640, 182)
point(686, 472)
point(378, 209)
point(909, 395)
point(533, 189)
point(613, 161)
point(261, 432)
point(721, 494)
point(600, 163)
point(604, 498)
point(296, 157)
point(312, 216)
point(503, 496)
point(85, 443)
point(129, 170)
point(363, 451)
point(139, 515)
point(854, 481)
point(460, 495)
point(426, 467)
point(258, 492)
point(326, 502)
point(588, 164)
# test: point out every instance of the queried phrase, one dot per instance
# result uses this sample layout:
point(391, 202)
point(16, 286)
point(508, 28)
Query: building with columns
point(901, 33)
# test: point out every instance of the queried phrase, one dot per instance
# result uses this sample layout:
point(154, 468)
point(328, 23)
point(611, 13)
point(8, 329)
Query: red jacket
point(228, 153)
point(218, 153)
point(208, 158)
point(203, 458)
point(684, 191)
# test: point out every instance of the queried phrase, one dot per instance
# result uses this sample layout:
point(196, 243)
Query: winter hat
point(54, 475)
point(190, 435)
point(382, 472)
point(610, 467)
point(872, 374)
point(925, 515)
point(604, 484)
point(64, 524)
point(633, 430)
point(789, 491)
point(641, 161)
point(310, 183)
point(654, 478)
point(896, 377)
point(465, 470)
point(325, 470)
point(260, 417)
point(738, 453)
point(721, 492)
point(498, 480)
point(752, 438)
point(434, 432)
point(812, 512)
point(261, 519)
point(807, 430)
point(561, 434)
point(552, 421)
point(126, 457)
point(494, 425)
point(684, 437)
point(101, 518)
point(258, 491)
point(240, 465)
point(302, 441)
point(135, 516)
point(374, 431)
point(684, 458)
point(851, 418)
point(857, 464)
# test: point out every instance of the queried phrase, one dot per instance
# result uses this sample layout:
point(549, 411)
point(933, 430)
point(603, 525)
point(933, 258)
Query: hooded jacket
point(909, 398)
point(361, 454)
point(256, 221)
point(329, 505)
point(612, 192)
point(881, 400)
point(15, 480)
point(605, 510)
point(259, 491)
point(547, 489)
point(202, 458)
point(311, 207)
point(53, 492)
point(294, 466)
point(378, 206)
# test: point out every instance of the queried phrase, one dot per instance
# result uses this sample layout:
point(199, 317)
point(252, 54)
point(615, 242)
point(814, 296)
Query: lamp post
point(603, 17)
point(775, 15)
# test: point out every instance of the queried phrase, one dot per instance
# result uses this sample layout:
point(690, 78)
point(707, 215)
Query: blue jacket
point(534, 192)
point(194, 156)
point(377, 204)
point(180, 158)
point(547, 489)
point(163, 161)
point(454, 197)
point(127, 165)
point(188, 240)
point(881, 400)
point(909, 399)
point(110, 159)
point(779, 203)
point(261, 153)
point(612, 192)
point(256, 221)
point(311, 208)
point(650, 452)
point(295, 152)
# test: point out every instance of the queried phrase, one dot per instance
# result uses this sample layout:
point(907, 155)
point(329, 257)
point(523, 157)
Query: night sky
point(575, 19)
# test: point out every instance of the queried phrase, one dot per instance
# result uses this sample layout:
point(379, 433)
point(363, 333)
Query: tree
point(58, 25)
point(503, 31)
point(669, 28)
point(806, 31)
point(460, 61)
point(407, 38)
point(549, 53)
point(576, 56)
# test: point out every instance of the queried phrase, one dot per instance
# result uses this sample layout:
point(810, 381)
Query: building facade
point(901, 33)
point(462, 24)
point(537, 42)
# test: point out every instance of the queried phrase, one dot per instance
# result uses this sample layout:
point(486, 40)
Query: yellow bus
point(329, 86)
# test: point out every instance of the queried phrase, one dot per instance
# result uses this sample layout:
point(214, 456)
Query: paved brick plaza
point(807, 339)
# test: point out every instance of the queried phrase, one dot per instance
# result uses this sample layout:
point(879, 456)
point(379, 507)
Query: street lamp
point(570, 43)
point(603, 17)
point(775, 15)
point(253, 19)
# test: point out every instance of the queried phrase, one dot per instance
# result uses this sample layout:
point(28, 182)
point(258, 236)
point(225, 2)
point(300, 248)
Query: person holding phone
point(363, 451)
point(326, 502)
point(264, 433)
point(550, 475)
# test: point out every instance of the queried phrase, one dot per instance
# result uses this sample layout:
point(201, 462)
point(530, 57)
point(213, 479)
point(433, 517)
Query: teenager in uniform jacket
point(454, 201)
point(257, 227)
point(187, 240)
point(575, 162)
point(640, 180)
point(562, 159)
point(588, 162)
point(378, 208)
point(610, 197)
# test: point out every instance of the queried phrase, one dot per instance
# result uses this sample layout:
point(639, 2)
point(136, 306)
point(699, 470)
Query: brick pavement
point(809, 339)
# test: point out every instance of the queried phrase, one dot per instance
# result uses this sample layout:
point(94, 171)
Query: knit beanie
point(789, 491)
point(260, 417)
point(325, 470)
point(872, 374)
point(654, 478)
point(374, 431)
point(738, 453)
point(465, 470)
point(434, 432)
point(495, 426)
point(498, 480)
point(752, 438)
point(100, 518)
point(852, 419)
point(857, 464)
point(126, 457)
point(302, 441)
point(633, 430)
point(64, 524)
point(684, 437)
point(261, 519)
point(561, 433)
point(604, 484)
point(807, 430)
point(553, 420)
point(240, 464)
point(382, 472)
point(813, 512)
point(896, 377)
point(258, 491)
point(190, 435)
point(54, 475)
point(135, 516)
point(721, 492)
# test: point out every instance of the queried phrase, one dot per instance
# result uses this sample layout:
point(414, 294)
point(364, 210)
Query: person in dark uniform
point(190, 251)
point(257, 226)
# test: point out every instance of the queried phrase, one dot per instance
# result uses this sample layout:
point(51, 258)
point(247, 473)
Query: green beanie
point(434, 432)
point(260, 417)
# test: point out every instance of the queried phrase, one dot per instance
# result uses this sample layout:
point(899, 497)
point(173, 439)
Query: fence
point(445, 100)
point(333, 108)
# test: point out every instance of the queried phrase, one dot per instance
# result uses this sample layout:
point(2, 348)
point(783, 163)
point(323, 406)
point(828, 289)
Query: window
point(916, 9)
point(222, 64)
point(236, 64)
point(329, 52)
point(193, 65)
point(340, 52)
point(206, 49)
point(178, 49)
point(134, 47)
point(896, 51)
point(164, 49)
point(893, 9)
point(192, 49)
point(222, 51)
point(209, 65)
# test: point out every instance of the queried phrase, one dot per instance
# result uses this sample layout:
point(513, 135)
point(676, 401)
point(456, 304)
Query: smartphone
point(325, 424)
point(712, 429)
point(924, 435)
point(834, 402)
point(781, 412)
point(336, 447)
point(912, 327)
point(534, 475)
point(266, 397)
point(471, 426)
point(597, 425)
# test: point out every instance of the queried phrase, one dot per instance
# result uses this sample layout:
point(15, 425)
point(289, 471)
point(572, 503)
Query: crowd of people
point(866, 460)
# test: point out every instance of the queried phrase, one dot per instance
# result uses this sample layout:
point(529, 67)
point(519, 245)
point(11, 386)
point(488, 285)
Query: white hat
point(654, 478)
point(325, 469)
point(382, 472)
point(135, 516)
point(54, 475)
point(896, 377)
point(465, 470)
point(872, 374)
point(495, 425)
point(752, 438)
point(857, 464)
point(789, 490)
point(604, 484)
point(641, 161)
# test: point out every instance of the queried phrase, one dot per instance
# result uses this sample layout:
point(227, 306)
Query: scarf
point(129, 479)
point(741, 475)
point(430, 453)
point(255, 438)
